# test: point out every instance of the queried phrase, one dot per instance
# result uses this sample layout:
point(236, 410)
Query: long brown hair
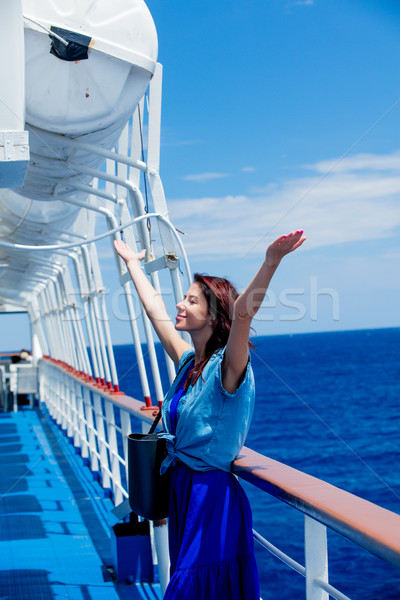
point(220, 294)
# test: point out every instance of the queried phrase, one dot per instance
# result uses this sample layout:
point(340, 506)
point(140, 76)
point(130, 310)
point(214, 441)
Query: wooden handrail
point(370, 526)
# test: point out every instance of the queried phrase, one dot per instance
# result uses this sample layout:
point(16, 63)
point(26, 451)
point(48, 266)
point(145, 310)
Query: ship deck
point(55, 520)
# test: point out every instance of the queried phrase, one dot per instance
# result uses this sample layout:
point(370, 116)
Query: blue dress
point(210, 533)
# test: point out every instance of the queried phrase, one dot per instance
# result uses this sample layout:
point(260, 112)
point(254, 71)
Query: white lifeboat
point(76, 96)
point(87, 65)
point(89, 94)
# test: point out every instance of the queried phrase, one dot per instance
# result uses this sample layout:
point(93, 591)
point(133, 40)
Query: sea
point(327, 404)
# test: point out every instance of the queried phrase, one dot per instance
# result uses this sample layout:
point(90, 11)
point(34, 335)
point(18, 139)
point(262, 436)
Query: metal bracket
point(168, 261)
point(125, 278)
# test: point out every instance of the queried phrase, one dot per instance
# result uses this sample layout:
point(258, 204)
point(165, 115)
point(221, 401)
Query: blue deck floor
point(54, 519)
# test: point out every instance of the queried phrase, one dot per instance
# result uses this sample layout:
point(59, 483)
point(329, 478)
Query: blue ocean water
point(326, 404)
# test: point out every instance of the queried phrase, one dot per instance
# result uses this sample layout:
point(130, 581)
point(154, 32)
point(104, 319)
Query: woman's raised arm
point(152, 302)
point(247, 305)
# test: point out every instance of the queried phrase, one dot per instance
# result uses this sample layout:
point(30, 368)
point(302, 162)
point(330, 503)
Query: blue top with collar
point(212, 424)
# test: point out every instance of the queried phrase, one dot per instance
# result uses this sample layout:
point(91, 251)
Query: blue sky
point(278, 115)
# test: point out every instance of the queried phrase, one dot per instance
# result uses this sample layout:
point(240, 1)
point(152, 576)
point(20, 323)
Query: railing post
point(42, 391)
point(49, 394)
point(74, 414)
point(102, 442)
point(84, 292)
point(68, 401)
point(89, 409)
point(57, 401)
point(99, 286)
point(316, 557)
point(102, 358)
point(160, 532)
point(82, 434)
point(63, 400)
point(126, 430)
point(113, 452)
point(13, 386)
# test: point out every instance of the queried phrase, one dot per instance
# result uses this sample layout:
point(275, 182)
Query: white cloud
point(392, 255)
point(345, 206)
point(248, 169)
point(204, 177)
point(360, 162)
point(303, 3)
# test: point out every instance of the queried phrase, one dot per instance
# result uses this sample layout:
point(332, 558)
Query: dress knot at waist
point(172, 458)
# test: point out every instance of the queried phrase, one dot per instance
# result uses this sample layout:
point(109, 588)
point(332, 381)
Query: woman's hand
point(283, 245)
point(152, 303)
point(126, 252)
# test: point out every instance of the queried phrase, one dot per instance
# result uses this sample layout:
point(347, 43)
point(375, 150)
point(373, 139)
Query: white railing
point(98, 423)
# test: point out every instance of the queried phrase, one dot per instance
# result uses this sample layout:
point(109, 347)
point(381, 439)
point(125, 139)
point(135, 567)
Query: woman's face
point(193, 310)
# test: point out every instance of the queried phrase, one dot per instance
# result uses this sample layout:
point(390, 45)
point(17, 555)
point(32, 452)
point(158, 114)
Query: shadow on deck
point(55, 520)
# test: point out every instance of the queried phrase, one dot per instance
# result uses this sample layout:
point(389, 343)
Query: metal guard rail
point(323, 505)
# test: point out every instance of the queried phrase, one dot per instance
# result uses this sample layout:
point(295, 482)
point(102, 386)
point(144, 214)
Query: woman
point(206, 417)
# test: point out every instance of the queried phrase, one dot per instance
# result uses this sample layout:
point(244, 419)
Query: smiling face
point(193, 312)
